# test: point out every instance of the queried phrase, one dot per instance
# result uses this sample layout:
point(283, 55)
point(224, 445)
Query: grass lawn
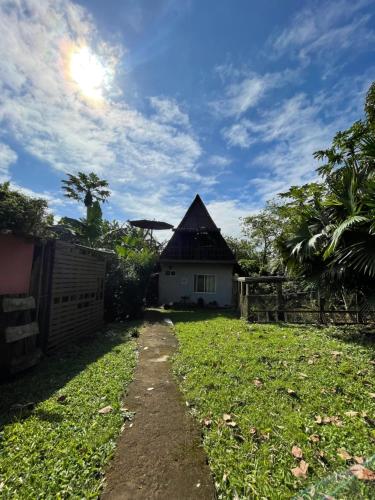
point(58, 447)
point(259, 390)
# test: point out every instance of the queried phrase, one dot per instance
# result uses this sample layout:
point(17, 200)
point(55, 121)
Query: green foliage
point(218, 361)
point(128, 275)
point(59, 448)
point(86, 188)
point(22, 214)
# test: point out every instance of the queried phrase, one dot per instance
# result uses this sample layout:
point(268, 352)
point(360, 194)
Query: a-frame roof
point(197, 218)
point(197, 238)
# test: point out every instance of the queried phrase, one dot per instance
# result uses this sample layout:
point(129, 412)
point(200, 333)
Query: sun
point(90, 75)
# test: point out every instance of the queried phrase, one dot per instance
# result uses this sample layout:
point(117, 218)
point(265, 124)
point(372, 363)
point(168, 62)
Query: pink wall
point(16, 257)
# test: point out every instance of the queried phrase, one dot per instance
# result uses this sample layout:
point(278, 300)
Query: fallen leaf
point(231, 423)
point(297, 452)
point(362, 473)
point(318, 419)
point(207, 422)
point(301, 470)
point(314, 438)
point(372, 395)
point(257, 382)
point(372, 361)
point(292, 393)
point(359, 460)
point(303, 375)
point(311, 361)
point(351, 413)
point(150, 388)
point(105, 410)
point(342, 453)
point(253, 430)
point(226, 417)
point(335, 354)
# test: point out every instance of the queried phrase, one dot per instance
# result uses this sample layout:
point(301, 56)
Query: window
point(170, 273)
point(204, 283)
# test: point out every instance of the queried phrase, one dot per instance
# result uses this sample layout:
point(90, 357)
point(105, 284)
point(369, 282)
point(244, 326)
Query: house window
point(170, 273)
point(204, 283)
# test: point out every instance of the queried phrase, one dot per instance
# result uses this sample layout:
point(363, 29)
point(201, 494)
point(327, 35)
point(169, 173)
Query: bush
point(22, 214)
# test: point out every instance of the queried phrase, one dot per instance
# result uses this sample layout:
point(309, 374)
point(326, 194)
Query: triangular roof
point(197, 218)
point(197, 238)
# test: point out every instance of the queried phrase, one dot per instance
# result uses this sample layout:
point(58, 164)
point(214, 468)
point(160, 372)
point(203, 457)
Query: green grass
point(58, 449)
point(219, 359)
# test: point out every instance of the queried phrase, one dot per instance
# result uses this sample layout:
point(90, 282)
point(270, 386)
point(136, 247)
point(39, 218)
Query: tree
point(86, 188)
point(23, 214)
point(262, 230)
point(333, 241)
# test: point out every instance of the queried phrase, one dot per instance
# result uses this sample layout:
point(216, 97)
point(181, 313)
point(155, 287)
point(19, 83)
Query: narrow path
point(159, 454)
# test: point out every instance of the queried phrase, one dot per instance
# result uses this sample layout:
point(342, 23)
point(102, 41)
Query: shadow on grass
point(19, 395)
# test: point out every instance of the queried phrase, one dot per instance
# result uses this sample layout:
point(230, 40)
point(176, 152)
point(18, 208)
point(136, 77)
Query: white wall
point(172, 288)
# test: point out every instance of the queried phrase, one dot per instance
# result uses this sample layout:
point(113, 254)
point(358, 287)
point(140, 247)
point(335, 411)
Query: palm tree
point(87, 188)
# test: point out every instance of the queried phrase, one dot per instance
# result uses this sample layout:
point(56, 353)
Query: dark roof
point(197, 238)
point(197, 218)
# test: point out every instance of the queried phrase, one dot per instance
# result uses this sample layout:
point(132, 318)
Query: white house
point(197, 262)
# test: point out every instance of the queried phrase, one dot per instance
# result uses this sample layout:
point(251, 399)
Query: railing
point(296, 307)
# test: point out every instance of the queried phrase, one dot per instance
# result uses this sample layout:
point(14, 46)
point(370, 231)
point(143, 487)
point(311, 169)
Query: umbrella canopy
point(150, 224)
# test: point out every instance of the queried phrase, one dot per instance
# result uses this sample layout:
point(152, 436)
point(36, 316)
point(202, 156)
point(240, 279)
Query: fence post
point(280, 302)
point(322, 302)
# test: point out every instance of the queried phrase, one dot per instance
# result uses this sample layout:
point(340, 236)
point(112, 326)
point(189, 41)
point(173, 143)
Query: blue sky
point(223, 98)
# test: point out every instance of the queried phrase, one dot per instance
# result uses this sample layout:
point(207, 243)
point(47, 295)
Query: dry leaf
point(207, 422)
point(314, 438)
point(372, 395)
point(292, 393)
point(342, 453)
point(351, 413)
point(359, 460)
point(297, 452)
point(335, 354)
point(231, 423)
point(105, 410)
point(226, 417)
point(253, 430)
point(318, 419)
point(257, 382)
point(150, 388)
point(311, 361)
point(372, 362)
point(362, 473)
point(303, 375)
point(301, 470)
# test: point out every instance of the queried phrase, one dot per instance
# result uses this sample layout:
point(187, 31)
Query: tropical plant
point(86, 188)
point(333, 242)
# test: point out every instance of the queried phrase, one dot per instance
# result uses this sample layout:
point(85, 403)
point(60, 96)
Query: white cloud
point(239, 134)
point(227, 215)
point(168, 111)
point(219, 161)
point(324, 30)
point(49, 118)
point(7, 157)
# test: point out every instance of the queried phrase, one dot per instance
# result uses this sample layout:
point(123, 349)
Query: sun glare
point(88, 73)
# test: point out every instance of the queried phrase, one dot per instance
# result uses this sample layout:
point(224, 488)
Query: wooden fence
point(65, 301)
point(275, 304)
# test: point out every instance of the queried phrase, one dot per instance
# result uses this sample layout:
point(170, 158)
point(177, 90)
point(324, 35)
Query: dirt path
point(159, 454)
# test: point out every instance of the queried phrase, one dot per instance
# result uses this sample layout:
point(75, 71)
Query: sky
point(169, 98)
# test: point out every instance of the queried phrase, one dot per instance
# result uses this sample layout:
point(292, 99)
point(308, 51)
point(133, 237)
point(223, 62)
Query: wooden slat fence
point(297, 307)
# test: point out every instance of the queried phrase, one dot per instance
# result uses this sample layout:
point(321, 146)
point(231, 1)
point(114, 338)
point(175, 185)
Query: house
point(197, 263)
